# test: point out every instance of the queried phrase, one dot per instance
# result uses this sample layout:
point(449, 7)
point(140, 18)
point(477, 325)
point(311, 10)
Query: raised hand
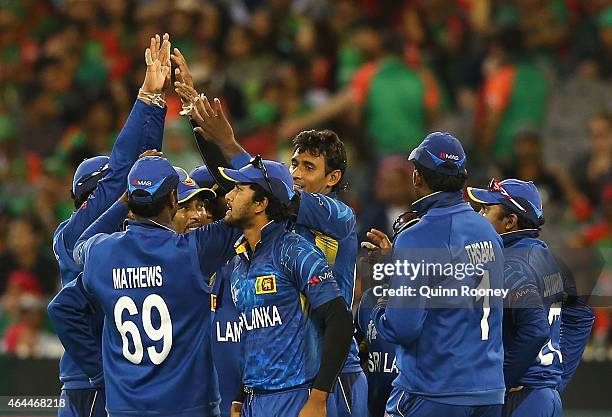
point(187, 94)
point(213, 124)
point(164, 58)
point(182, 70)
point(157, 71)
point(380, 247)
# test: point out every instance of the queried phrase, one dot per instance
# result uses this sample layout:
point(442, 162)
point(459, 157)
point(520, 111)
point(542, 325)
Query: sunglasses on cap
point(494, 185)
point(257, 162)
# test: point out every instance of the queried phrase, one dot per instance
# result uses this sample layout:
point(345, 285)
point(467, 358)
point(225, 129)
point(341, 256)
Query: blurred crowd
point(525, 84)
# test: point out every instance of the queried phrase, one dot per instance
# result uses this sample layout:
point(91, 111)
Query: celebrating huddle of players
point(228, 290)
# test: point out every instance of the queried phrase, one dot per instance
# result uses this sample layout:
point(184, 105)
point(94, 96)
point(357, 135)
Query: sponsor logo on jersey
point(317, 279)
point(265, 284)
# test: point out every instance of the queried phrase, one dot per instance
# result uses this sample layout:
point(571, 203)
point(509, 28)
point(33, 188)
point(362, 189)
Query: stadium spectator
point(28, 337)
point(513, 96)
point(397, 102)
point(393, 195)
point(26, 253)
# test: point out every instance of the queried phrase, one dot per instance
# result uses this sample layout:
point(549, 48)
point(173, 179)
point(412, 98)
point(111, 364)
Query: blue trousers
point(287, 403)
point(533, 402)
point(83, 403)
point(403, 404)
point(350, 396)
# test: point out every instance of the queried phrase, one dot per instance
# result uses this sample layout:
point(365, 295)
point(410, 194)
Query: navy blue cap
point(88, 173)
point(202, 176)
point(522, 197)
point(154, 175)
point(441, 152)
point(281, 181)
point(187, 188)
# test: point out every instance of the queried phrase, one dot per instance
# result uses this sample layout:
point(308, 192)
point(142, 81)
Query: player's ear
point(173, 199)
point(334, 178)
point(260, 206)
point(511, 222)
point(417, 178)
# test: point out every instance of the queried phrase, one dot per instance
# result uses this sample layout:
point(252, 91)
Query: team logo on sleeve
point(265, 284)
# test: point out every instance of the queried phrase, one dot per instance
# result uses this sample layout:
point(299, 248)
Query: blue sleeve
point(143, 130)
point(240, 160)
point(577, 321)
point(81, 250)
point(214, 245)
point(528, 319)
point(401, 320)
point(320, 212)
point(69, 312)
point(307, 266)
point(108, 223)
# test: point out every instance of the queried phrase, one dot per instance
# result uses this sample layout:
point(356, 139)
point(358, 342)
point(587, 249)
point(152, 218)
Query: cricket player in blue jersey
point(318, 166)
point(191, 212)
point(216, 207)
point(149, 282)
point(297, 329)
point(381, 368)
point(545, 332)
point(98, 183)
point(226, 327)
point(450, 354)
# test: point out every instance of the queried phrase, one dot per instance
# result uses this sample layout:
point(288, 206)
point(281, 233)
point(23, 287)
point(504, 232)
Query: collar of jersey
point(149, 223)
point(439, 199)
point(268, 232)
point(513, 238)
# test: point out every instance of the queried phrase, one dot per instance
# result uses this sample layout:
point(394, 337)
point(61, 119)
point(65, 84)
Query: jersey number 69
point(164, 332)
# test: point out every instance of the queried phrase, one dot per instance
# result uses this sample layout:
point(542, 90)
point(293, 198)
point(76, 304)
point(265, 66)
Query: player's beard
point(238, 217)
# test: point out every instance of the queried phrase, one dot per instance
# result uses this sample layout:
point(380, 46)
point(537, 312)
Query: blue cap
point(441, 152)
point(187, 187)
point(527, 200)
point(202, 176)
point(281, 182)
point(155, 176)
point(87, 175)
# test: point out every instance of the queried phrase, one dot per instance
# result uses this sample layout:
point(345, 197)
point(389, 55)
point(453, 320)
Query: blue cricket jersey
point(143, 130)
point(226, 338)
point(532, 272)
point(450, 346)
point(275, 286)
point(329, 224)
point(382, 365)
point(148, 281)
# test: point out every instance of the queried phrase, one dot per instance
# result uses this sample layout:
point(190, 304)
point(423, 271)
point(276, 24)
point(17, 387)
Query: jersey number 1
point(163, 332)
point(485, 283)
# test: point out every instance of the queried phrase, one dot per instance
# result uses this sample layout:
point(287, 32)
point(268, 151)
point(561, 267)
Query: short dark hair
point(441, 182)
point(149, 209)
point(327, 144)
point(523, 222)
point(275, 210)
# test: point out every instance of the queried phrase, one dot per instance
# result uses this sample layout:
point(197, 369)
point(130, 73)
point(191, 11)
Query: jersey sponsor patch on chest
point(265, 284)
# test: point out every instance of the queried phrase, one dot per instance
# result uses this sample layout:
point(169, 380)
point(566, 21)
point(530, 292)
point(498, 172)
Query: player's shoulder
point(344, 211)
point(293, 245)
point(415, 236)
